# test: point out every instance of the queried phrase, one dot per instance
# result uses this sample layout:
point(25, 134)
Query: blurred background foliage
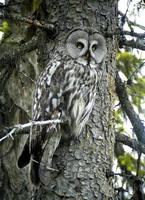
point(132, 71)
point(131, 67)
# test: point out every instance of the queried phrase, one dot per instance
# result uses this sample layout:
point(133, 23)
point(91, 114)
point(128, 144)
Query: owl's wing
point(46, 106)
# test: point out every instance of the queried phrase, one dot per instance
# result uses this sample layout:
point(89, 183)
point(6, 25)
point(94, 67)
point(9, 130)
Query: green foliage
point(119, 125)
point(36, 4)
point(138, 94)
point(29, 7)
point(5, 28)
point(128, 162)
point(130, 66)
point(141, 172)
point(127, 63)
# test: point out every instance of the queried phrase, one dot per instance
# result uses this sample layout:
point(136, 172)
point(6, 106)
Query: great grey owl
point(65, 90)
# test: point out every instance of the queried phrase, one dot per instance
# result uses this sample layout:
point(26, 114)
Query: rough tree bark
point(84, 163)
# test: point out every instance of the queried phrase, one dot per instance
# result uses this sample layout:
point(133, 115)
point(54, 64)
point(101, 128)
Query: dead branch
point(10, 57)
point(131, 23)
point(44, 26)
point(24, 127)
point(13, 54)
point(134, 44)
point(134, 144)
point(134, 34)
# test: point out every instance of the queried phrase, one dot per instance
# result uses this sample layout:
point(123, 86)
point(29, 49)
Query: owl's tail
point(45, 165)
point(25, 156)
point(41, 159)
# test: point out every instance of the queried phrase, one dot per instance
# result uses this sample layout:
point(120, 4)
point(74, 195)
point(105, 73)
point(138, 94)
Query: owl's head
point(86, 48)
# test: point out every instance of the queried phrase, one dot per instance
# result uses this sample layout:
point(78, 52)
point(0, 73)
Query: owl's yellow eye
point(94, 47)
point(80, 45)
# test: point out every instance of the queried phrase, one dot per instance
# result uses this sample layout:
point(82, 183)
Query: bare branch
point(131, 23)
point(134, 144)
point(134, 34)
point(138, 126)
point(47, 27)
point(28, 77)
point(14, 53)
point(22, 127)
point(138, 43)
point(134, 73)
point(134, 44)
point(10, 57)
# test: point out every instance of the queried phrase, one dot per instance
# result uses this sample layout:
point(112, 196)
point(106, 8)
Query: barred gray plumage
point(65, 90)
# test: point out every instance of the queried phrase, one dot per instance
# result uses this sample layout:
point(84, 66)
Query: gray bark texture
point(84, 162)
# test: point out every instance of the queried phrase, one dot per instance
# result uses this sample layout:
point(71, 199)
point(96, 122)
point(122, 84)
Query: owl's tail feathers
point(34, 168)
point(45, 167)
point(41, 159)
point(25, 156)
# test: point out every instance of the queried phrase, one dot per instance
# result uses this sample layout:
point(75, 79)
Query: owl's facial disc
point(87, 49)
point(97, 47)
point(77, 43)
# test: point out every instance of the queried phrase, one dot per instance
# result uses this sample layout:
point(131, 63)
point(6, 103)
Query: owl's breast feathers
point(66, 91)
point(79, 94)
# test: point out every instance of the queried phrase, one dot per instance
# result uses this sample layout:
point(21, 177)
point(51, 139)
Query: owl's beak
point(87, 55)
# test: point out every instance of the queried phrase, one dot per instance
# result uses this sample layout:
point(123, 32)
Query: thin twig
point(138, 164)
point(48, 168)
point(135, 72)
point(28, 77)
point(131, 23)
point(123, 174)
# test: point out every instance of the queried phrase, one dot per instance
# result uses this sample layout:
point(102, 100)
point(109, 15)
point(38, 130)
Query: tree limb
point(9, 58)
point(138, 43)
point(25, 127)
point(135, 72)
point(134, 44)
point(13, 54)
point(134, 144)
point(44, 26)
point(131, 23)
point(138, 126)
point(134, 34)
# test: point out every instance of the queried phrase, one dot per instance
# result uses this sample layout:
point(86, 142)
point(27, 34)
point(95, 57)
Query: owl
point(65, 90)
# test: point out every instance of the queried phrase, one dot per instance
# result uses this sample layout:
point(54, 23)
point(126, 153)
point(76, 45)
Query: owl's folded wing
point(46, 106)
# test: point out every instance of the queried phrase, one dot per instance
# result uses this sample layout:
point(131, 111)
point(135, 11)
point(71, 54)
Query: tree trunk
point(84, 163)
